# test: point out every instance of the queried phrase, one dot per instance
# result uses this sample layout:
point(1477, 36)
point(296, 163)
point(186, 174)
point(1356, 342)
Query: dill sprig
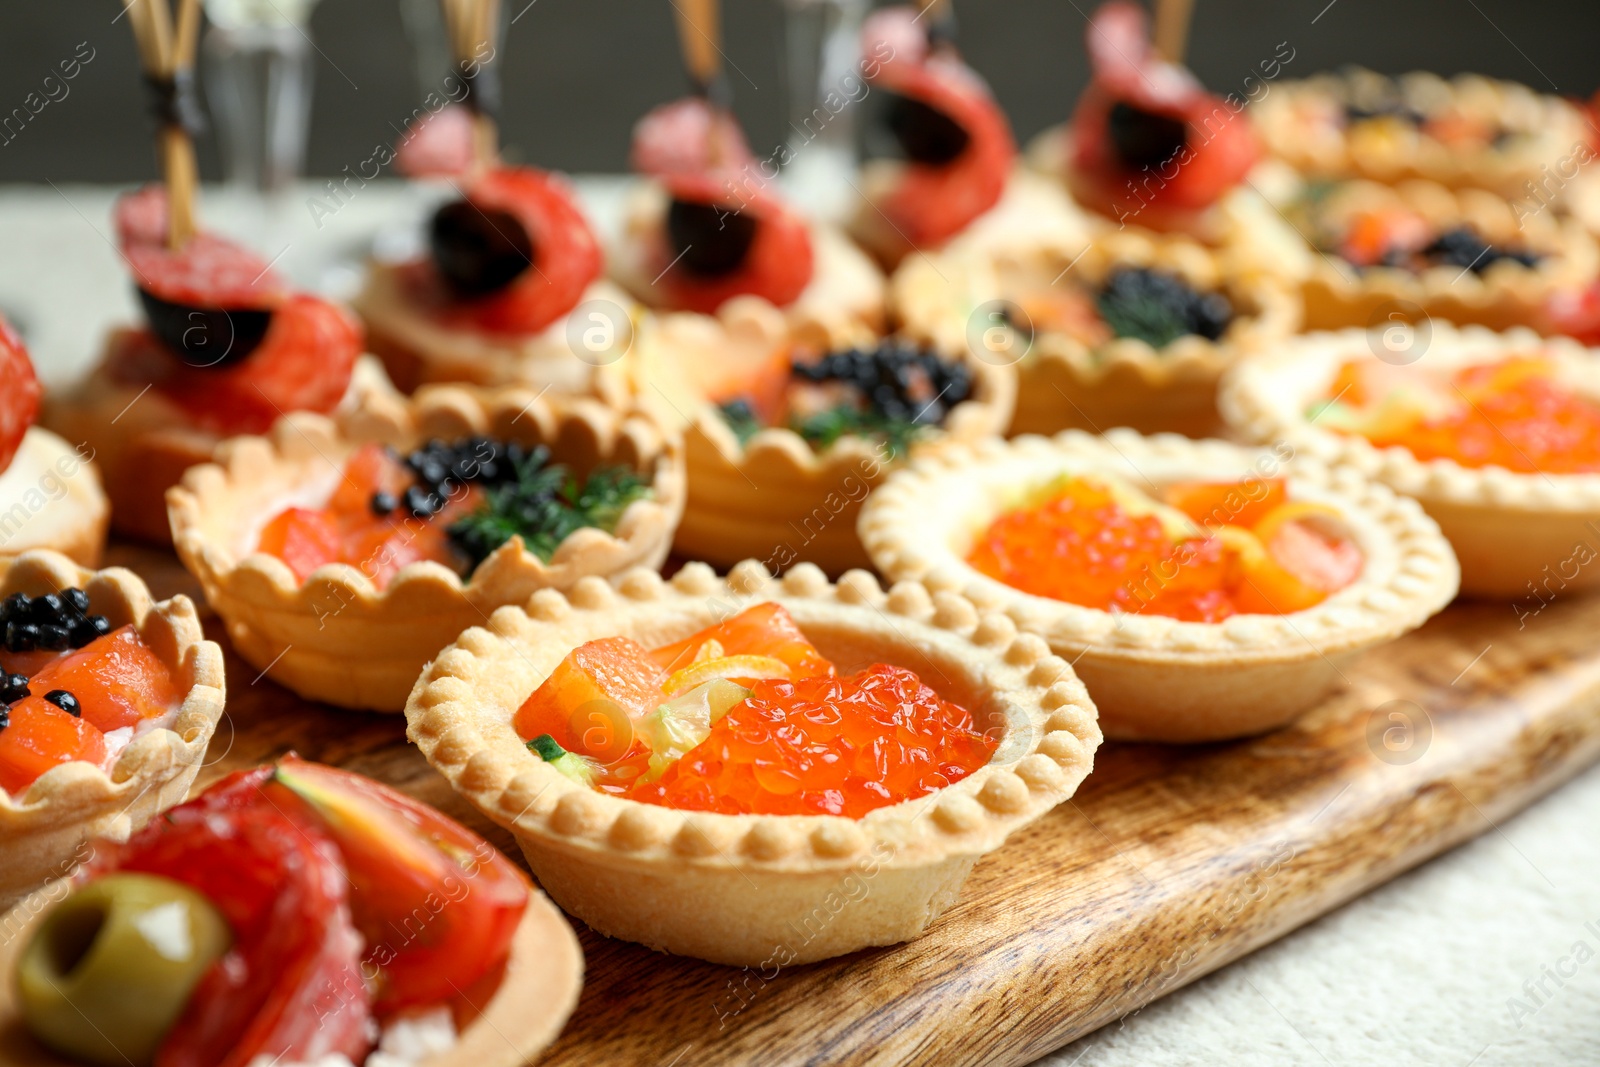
point(543, 505)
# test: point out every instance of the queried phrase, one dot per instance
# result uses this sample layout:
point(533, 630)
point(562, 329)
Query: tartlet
point(337, 637)
point(1465, 132)
point(1499, 293)
point(51, 498)
point(740, 889)
point(1156, 678)
point(417, 350)
point(1509, 529)
point(1063, 382)
point(225, 347)
point(528, 1009)
point(508, 292)
point(846, 293)
point(45, 830)
point(143, 444)
point(776, 497)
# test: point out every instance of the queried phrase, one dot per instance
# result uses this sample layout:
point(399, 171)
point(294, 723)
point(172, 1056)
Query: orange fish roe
point(826, 746)
point(1512, 414)
point(1080, 546)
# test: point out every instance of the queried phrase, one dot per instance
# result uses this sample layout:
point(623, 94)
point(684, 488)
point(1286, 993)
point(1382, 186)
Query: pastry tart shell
point(336, 637)
point(1063, 383)
point(776, 498)
point(1516, 534)
point(51, 498)
point(49, 829)
point(1506, 295)
point(1156, 678)
point(535, 997)
point(845, 303)
point(142, 442)
point(416, 350)
point(1300, 122)
point(757, 890)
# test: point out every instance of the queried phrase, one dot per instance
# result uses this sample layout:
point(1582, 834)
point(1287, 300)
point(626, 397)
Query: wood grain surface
point(1168, 864)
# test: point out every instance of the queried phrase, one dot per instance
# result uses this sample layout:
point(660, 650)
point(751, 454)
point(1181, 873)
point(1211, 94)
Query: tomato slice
point(118, 680)
point(290, 988)
point(41, 736)
point(1227, 503)
point(436, 904)
point(19, 393)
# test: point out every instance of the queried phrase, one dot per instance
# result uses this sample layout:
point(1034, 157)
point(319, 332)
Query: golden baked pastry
point(1042, 306)
point(143, 442)
point(1464, 132)
point(339, 638)
point(1520, 522)
point(745, 889)
point(418, 350)
point(51, 497)
point(45, 828)
point(1396, 253)
point(775, 496)
point(524, 1016)
point(1155, 677)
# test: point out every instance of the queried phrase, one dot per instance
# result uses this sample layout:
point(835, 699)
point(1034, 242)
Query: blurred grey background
point(579, 72)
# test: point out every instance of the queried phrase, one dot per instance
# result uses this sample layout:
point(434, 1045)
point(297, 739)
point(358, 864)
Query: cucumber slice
point(579, 768)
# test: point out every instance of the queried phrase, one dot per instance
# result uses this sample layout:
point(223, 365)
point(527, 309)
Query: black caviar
point(1159, 307)
point(898, 380)
point(1462, 247)
point(442, 469)
point(52, 622)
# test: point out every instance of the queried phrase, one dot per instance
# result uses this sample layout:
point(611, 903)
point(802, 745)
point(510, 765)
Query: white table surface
point(1441, 966)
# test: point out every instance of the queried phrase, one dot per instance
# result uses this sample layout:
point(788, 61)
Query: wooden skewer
point(699, 37)
point(1172, 28)
point(699, 28)
point(470, 25)
point(167, 55)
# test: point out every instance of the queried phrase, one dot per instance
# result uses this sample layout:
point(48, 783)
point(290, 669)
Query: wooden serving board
point(1169, 863)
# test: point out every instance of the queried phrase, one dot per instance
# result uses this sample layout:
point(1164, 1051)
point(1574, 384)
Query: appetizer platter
point(921, 635)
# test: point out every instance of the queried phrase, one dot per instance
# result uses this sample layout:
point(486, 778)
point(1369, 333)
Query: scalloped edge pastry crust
point(1156, 678)
point(143, 442)
point(1508, 529)
point(1063, 383)
point(338, 639)
point(1280, 119)
point(48, 831)
point(776, 498)
point(743, 889)
point(418, 351)
point(1506, 295)
point(73, 523)
point(536, 996)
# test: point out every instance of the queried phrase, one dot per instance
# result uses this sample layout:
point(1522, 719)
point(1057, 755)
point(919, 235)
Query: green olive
point(111, 968)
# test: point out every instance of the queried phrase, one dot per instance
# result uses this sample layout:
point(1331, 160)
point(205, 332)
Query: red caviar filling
point(114, 681)
point(1514, 413)
point(1253, 552)
point(748, 717)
